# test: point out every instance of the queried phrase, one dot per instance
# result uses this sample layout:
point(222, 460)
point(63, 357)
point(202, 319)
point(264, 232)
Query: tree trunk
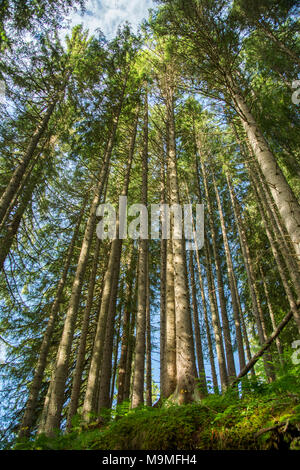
point(126, 326)
point(148, 345)
point(110, 285)
point(285, 199)
point(199, 352)
point(185, 354)
point(20, 170)
point(250, 275)
point(140, 347)
point(106, 362)
point(280, 264)
point(232, 283)
point(209, 339)
point(215, 318)
point(29, 413)
point(64, 350)
point(77, 376)
point(272, 316)
point(163, 284)
point(225, 323)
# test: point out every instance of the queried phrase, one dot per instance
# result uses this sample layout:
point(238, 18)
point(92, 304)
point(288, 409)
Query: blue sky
point(109, 14)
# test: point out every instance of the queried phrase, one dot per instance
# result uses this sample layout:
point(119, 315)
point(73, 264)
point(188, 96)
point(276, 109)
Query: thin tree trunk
point(126, 329)
point(272, 316)
point(148, 345)
point(185, 354)
point(77, 376)
point(131, 347)
point(215, 318)
point(280, 264)
point(232, 283)
point(20, 170)
point(225, 322)
point(29, 413)
point(285, 199)
point(285, 245)
point(209, 339)
point(64, 350)
point(163, 284)
point(90, 405)
point(106, 362)
point(250, 275)
point(207, 326)
point(115, 360)
point(140, 347)
point(199, 352)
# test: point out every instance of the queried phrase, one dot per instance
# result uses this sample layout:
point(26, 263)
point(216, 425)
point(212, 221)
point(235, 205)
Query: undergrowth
point(218, 422)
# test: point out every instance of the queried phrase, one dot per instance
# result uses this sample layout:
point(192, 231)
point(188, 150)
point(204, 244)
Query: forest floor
point(264, 418)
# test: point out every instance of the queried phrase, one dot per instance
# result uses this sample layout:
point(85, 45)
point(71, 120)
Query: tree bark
point(285, 199)
point(199, 351)
point(264, 347)
point(232, 283)
point(148, 344)
point(90, 405)
point(185, 354)
point(20, 170)
point(28, 417)
point(225, 322)
point(250, 274)
point(126, 329)
point(140, 347)
point(77, 376)
point(63, 354)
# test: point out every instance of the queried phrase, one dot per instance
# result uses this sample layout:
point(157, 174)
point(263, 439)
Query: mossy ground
point(216, 423)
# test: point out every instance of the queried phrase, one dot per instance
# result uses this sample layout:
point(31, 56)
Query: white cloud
point(109, 14)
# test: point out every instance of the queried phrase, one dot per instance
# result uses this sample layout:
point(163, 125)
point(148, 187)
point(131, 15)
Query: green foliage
point(218, 422)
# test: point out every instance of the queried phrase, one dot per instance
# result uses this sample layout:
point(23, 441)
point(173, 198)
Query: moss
point(215, 423)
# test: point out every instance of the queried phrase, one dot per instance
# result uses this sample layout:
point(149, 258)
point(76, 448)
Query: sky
point(109, 14)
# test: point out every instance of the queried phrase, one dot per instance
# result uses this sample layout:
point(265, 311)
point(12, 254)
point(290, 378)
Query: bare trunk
point(209, 339)
point(169, 359)
point(20, 170)
point(82, 343)
point(272, 316)
point(280, 264)
point(285, 199)
point(148, 345)
point(106, 362)
point(126, 329)
point(232, 283)
point(225, 323)
point(215, 319)
point(29, 413)
point(250, 275)
point(64, 350)
point(140, 347)
point(185, 354)
point(163, 295)
point(199, 352)
point(90, 405)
